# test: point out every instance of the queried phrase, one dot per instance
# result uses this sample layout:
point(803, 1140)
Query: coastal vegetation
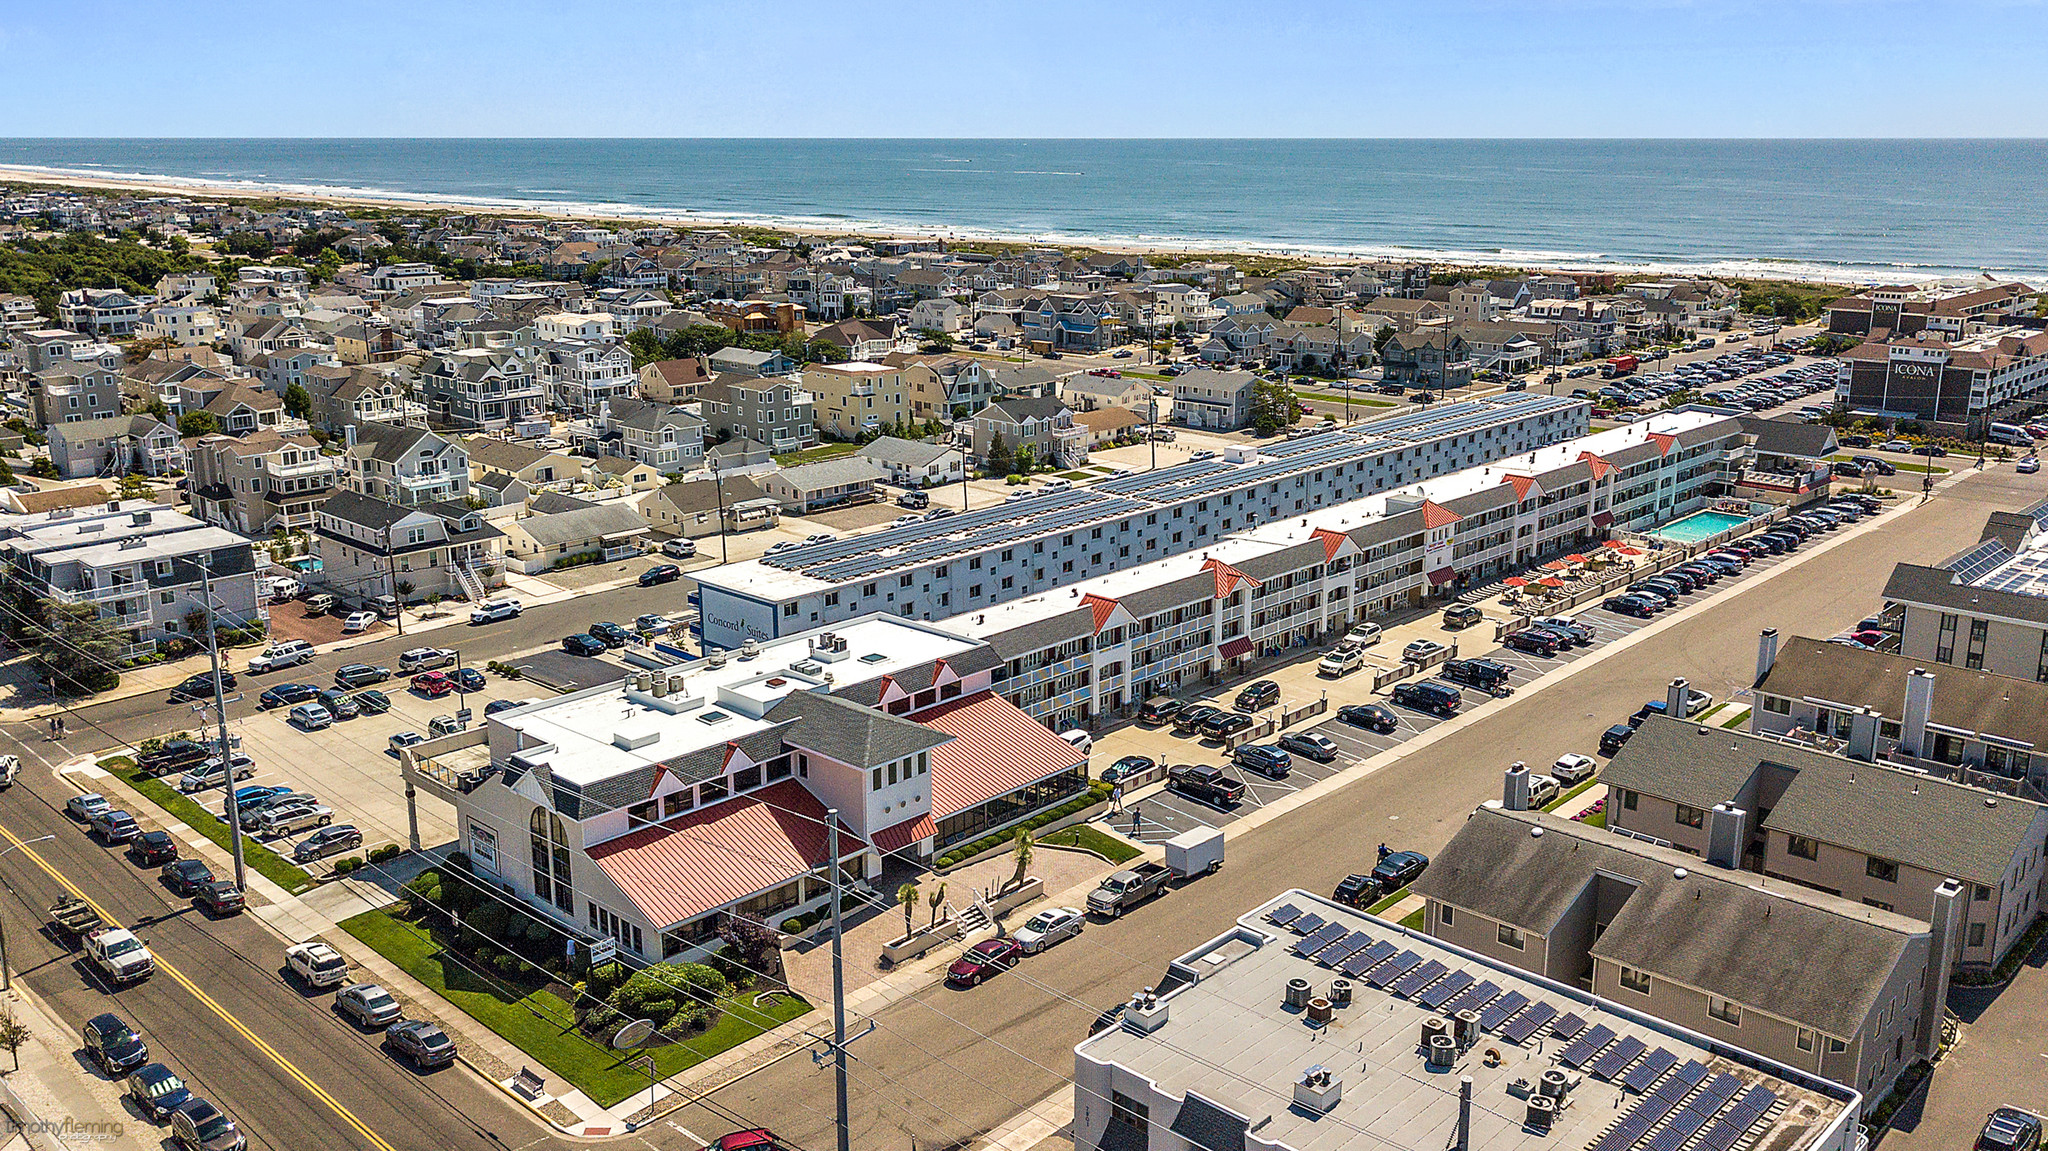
point(45, 268)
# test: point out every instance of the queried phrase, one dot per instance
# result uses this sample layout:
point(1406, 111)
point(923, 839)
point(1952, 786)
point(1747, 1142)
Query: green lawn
point(1148, 376)
point(1077, 474)
point(184, 808)
point(1568, 796)
point(813, 455)
point(1413, 920)
point(1082, 835)
point(1338, 398)
point(543, 1026)
point(1736, 720)
point(1597, 819)
point(1389, 901)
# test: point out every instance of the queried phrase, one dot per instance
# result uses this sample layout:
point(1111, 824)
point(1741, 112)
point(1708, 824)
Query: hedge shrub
point(1096, 793)
point(386, 853)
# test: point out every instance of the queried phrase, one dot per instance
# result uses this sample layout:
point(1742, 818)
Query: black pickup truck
point(1202, 782)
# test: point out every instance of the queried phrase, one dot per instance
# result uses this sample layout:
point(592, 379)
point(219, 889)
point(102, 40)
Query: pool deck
point(1723, 522)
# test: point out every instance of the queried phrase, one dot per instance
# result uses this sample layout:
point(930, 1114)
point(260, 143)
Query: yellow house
point(858, 396)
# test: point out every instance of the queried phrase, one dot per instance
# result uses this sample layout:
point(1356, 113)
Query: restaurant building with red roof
point(647, 810)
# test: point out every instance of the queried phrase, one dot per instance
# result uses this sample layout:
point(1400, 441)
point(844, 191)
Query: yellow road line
point(270, 1052)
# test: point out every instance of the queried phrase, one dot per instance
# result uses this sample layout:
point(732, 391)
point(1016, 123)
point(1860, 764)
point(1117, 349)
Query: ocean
point(1846, 210)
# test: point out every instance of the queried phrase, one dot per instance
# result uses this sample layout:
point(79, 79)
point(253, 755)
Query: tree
point(934, 338)
point(907, 896)
point(1027, 460)
point(1382, 338)
point(6, 474)
point(135, 486)
point(1273, 407)
point(13, 1034)
point(201, 423)
point(999, 461)
point(402, 590)
point(76, 651)
point(298, 402)
point(646, 347)
point(937, 897)
point(751, 944)
point(157, 409)
point(1022, 851)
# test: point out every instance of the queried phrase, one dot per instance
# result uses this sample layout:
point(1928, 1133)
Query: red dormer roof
point(1332, 541)
point(1436, 515)
point(1102, 606)
point(1600, 466)
point(1227, 577)
point(1521, 484)
point(1664, 443)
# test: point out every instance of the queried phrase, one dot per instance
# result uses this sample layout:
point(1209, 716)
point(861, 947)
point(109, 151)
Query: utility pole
point(838, 986)
point(398, 616)
point(718, 480)
point(220, 712)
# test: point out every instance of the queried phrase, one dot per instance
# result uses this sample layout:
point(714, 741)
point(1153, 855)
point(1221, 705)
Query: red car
point(1872, 638)
point(989, 957)
point(432, 684)
point(758, 1139)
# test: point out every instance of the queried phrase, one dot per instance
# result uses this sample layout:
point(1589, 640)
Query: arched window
point(548, 844)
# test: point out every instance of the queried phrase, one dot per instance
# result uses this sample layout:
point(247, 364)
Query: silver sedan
point(1049, 927)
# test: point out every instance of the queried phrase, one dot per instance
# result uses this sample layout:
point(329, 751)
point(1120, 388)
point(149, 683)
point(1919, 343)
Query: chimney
point(1727, 830)
point(1675, 697)
point(1766, 653)
point(1919, 704)
point(348, 432)
point(1514, 791)
point(1945, 927)
point(1862, 734)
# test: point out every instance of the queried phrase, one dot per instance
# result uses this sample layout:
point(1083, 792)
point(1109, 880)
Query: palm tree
point(1023, 854)
point(937, 897)
point(907, 896)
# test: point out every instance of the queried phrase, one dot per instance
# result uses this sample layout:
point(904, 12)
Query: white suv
point(316, 963)
point(492, 611)
point(425, 659)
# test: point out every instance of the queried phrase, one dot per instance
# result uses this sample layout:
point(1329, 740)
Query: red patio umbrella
point(1555, 566)
point(1551, 581)
point(1575, 559)
point(1615, 545)
point(1631, 551)
point(1515, 581)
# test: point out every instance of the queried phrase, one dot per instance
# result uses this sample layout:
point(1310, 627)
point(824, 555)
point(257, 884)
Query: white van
point(1081, 740)
point(2011, 434)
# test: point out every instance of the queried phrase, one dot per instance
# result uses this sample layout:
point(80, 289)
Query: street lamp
point(6, 972)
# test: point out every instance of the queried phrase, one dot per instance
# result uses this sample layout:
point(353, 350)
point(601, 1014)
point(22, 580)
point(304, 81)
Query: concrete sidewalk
point(55, 1101)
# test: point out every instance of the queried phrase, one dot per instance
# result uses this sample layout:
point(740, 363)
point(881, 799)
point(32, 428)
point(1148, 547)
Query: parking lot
point(350, 766)
point(1163, 814)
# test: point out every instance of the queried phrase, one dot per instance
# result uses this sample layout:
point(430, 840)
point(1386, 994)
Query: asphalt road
point(235, 1027)
point(946, 1065)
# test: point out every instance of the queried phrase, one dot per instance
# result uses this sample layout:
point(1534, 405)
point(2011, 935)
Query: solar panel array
point(1441, 992)
point(1283, 915)
point(1694, 1115)
point(1976, 563)
point(1418, 979)
point(1343, 949)
point(1521, 1027)
point(1651, 1109)
point(1392, 969)
point(1645, 1073)
point(2039, 514)
point(2025, 575)
point(1320, 938)
point(1730, 1127)
point(1368, 959)
point(1617, 1057)
point(1498, 1011)
point(1474, 999)
point(1568, 1026)
point(1306, 924)
point(1585, 1046)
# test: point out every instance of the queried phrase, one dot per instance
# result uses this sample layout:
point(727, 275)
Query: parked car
point(1192, 718)
point(1370, 716)
point(1265, 759)
point(660, 574)
point(1629, 605)
point(186, 876)
point(1612, 739)
point(2010, 1129)
point(358, 621)
point(1531, 640)
point(201, 686)
point(1159, 709)
point(1462, 615)
point(468, 679)
point(424, 1043)
point(83, 807)
point(355, 675)
point(1398, 869)
point(1206, 784)
point(371, 702)
point(154, 847)
point(213, 773)
point(1049, 927)
point(113, 1044)
point(425, 659)
point(434, 684)
point(220, 897)
point(311, 717)
point(327, 841)
point(609, 634)
point(1313, 744)
point(1572, 767)
point(1438, 699)
point(989, 958)
point(157, 1091)
point(1125, 768)
point(1226, 724)
point(1422, 649)
point(115, 826)
point(173, 755)
point(492, 611)
point(1543, 789)
point(368, 1004)
point(198, 1125)
point(339, 704)
point(1340, 661)
point(286, 653)
point(1364, 635)
point(680, 548)
point(316, 964)
point(1263, 693)
point(584, 645)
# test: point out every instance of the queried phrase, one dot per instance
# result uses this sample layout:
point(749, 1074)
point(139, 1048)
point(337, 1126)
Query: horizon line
point(1052, 139)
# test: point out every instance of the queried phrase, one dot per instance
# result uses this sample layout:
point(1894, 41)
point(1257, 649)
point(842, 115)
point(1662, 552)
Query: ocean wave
point(1251, 242)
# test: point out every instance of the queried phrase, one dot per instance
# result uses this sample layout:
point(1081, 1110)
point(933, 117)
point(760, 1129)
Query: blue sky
point(1059, 68)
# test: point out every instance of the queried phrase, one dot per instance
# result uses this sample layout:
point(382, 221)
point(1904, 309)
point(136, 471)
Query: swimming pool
point(1698, 526)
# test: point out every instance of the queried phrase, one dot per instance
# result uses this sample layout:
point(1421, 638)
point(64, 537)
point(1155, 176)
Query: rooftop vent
point(1147, 1012)
point(713, 717)
point(749, 649)
point(139, 518)
point(632, 737)
point(1318, 1089)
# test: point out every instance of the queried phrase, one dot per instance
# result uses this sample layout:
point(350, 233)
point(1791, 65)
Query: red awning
point(893, 839)
point(1603, 519)
point(1235, 648)
point(1442, 576)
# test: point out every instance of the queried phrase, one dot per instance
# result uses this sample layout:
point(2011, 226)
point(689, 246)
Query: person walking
point(1136, 816)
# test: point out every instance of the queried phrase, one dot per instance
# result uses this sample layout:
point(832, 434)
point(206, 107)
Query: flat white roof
point(614, 728)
